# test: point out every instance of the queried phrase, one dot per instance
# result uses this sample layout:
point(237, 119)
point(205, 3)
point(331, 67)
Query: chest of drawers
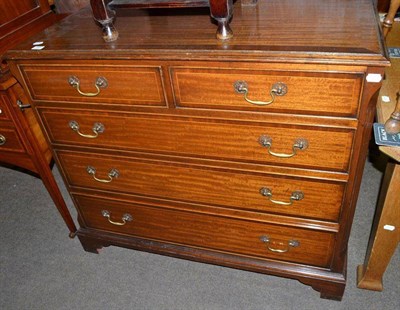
point(247, 154)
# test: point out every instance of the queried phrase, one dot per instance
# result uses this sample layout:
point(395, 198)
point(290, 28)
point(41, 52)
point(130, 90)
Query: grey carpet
point(41, 268)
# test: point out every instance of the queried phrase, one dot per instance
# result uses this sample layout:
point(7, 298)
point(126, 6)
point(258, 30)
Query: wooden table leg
point(105, 17)
point(385, 234)
point(221, 11)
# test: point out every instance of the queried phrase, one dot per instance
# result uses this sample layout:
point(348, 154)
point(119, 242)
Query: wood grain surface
point(186, 145)
point(351, 36)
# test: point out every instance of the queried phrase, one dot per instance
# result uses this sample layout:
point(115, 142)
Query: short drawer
point(10, 141)
point(264, 241)
point(124, 85)
point(4, 114)
point(315, 93)
point(229, 189)
point(290, 146)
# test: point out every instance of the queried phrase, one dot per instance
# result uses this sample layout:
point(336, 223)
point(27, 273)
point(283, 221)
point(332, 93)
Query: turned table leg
point(105, 17)
point(221, 11)
point(385, 234)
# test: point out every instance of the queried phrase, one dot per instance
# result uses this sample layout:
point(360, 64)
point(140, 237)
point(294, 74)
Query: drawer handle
point(2, 140)
point(285, 245)
point(278, 89)
point(22, 106)
point(125, 218)
point(97, 128)
point(299, 144)
point(100, 82)
point(295, 196)
point(113, 173)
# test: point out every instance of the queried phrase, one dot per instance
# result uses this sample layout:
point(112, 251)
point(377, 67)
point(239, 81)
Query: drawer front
point(10, 141)
point(4, 114)
point(307, 92)
point(126, 85)
point(217, 140)
point(259, 193)
point(264, 241)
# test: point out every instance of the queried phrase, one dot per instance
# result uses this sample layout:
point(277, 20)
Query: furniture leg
point(385, 234)
point(43, 169)
point(327, 290)
point(221, 11)
point(90, 245)
point(333, 291)
point(51, 186)
point(105, 17)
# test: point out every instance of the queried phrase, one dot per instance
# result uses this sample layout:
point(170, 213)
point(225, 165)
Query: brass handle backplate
point(2, 140)
point(299, 144)
point(278, 89)
point(125, 218)
point(295, 196)
point(112, 174)
point(97, 128)
point(100, 82)
point(279, 246)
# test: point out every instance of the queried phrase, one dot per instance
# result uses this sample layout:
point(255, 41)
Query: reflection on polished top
point(307, 32)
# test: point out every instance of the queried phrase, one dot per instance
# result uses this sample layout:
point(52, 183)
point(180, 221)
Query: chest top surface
point(300, 30)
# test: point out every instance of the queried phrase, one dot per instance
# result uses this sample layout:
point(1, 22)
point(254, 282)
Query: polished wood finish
point(22, 19)
point(226, 234)
point(185, 147)
point(384, 239)
point(238, 140)
point(24, 144)
point(48, 83)
point(320, 93)
point(217, 187)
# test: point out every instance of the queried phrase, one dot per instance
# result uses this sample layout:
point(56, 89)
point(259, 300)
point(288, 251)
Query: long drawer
point(264, 241)
point(310, 147)
point(261, 193)
point(96, 83)
point(319, 93)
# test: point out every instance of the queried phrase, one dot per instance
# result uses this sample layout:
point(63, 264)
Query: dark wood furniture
point(385, 233)
point(247, 154)
point(220, 10)
point(22, 143)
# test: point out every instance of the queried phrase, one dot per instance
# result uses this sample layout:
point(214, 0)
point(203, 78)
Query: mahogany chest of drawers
point(247, 153)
